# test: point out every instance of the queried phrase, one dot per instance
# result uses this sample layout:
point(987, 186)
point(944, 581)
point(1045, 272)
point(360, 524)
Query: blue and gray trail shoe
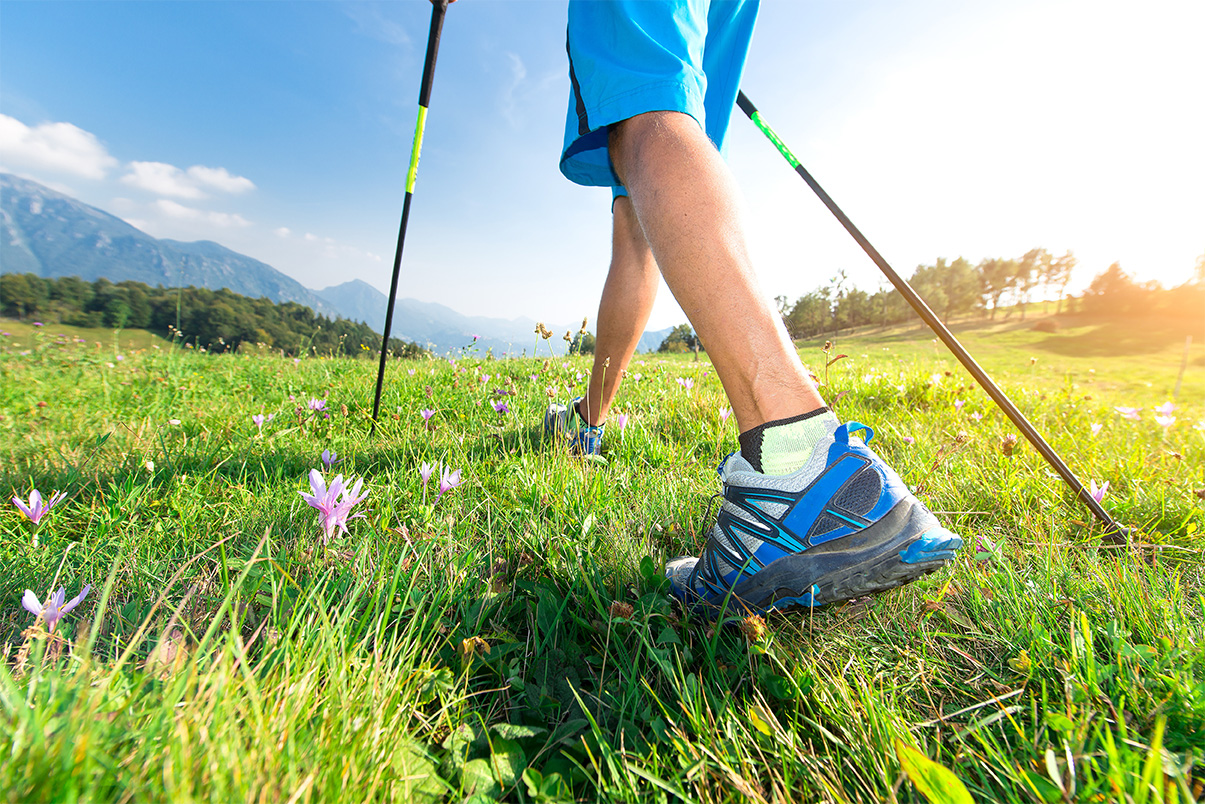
point(565, 421)
point(842, 526)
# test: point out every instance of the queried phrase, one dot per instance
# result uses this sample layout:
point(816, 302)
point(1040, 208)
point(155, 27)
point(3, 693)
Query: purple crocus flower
point(501, 407)
point(908, 439)
point(425, 471)
point(426, 414)
point(1165, 421)
point(448, 481)
point(1166, 409)
point(1096, 428)
point(410, 372)
point(621, 421)
point(258, 420)
point(1098, 492)
point(1128, 413)
point(317, 404)
point(977, 416)
point(334, 503)
point(329, 458)
point(724, 414)
point(958, 403)
point(36, 508)
point(54, 609)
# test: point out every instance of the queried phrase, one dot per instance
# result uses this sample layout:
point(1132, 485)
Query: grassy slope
point(225, 654)
point(21, 335)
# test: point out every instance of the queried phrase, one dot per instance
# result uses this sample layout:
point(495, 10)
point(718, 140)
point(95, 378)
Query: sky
point(283, 129)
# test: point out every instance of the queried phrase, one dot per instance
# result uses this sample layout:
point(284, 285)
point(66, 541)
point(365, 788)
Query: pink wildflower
point(36, 508)
point(54, 609)
point(1128, 413)
point(334, 503)
point(448, 481)
point(1098, 492)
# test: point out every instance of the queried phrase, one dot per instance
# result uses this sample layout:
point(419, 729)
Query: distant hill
point(49, 234)
point(53, 235)
point(356, 300)
point(650, 341)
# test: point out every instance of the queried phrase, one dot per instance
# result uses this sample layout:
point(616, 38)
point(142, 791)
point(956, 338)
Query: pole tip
point(1115, 534)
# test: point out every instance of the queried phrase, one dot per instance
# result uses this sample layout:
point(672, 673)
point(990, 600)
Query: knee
point(626, 138)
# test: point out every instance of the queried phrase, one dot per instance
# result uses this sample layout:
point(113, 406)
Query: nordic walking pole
point(438, 9)
point(1114, 532)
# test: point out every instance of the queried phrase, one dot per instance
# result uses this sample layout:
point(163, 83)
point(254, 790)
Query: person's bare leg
point(686, 202)
point(627, 302)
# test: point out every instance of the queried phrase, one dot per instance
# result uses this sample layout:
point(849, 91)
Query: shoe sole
point(902, 546)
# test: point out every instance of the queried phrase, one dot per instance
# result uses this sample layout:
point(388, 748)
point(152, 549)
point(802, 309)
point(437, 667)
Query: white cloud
point(225, 220)
point(282, 231)
point(372, 23)
point(220, 179)
point(54, 146)
point(164, 179)
point(508, 100)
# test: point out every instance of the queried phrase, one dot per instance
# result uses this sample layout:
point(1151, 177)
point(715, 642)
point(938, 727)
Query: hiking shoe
point(566, 421)
point(842, 526)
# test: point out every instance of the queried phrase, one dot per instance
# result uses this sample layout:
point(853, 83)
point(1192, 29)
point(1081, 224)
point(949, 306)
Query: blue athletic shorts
point(628, 57)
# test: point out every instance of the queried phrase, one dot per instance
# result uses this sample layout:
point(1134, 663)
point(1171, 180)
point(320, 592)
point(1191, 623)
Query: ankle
point(782, 446)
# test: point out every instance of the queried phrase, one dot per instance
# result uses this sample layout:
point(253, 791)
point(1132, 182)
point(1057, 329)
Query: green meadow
point(511, 638)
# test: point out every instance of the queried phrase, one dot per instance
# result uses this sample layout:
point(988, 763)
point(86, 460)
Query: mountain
point(356, 300)
point(49, 234)
point(433, 323)
point(53, 235)
point(649, 341)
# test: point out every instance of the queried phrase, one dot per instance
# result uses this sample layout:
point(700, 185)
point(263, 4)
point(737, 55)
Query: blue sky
point(283, 129)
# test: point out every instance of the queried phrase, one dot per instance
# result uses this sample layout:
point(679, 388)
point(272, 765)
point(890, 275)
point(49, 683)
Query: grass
point(20, 336)
point(512, 639)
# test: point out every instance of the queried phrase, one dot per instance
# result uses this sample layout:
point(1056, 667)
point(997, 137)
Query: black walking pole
point(1113, 531)
point(438, 9)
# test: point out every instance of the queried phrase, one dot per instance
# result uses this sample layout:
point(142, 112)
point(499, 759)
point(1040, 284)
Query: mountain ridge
point(50, 234)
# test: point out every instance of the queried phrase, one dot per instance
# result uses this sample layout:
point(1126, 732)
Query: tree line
point(959, 288)
point(218, 320)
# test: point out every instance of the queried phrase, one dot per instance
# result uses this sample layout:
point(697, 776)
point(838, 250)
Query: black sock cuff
point(750, 440)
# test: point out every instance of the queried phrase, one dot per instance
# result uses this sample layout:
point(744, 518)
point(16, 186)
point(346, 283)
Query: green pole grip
point(779, 144)
point(417, 148)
